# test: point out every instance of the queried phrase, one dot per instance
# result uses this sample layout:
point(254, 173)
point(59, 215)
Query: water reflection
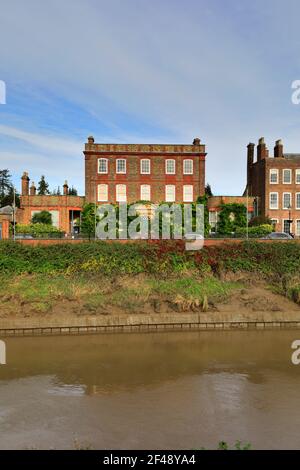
point(160, 390)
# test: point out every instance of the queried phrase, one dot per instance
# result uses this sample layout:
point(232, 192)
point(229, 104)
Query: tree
point(231, 217)
point(73, 191)
point(43, 217)
point(56, 192)
point(43, 187)
point(89, 220)
point(203, 200)
point(260, 220)
point(5, 182)
point(9, 198)
point(208, 190)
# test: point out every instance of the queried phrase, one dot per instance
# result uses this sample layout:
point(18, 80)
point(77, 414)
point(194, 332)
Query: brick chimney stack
point(278, 149)
point(25, 184)
point(250, 153)
point(262, 151)
point(32, 189)
point(66, 188)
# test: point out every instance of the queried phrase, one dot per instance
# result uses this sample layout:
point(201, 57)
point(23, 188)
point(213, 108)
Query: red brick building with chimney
point(144, 172)
point(65, 209)
point(275, 184)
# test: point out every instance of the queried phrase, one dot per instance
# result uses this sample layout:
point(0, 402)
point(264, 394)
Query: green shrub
point(43, 217)
point(38, 230)
point(255, 231)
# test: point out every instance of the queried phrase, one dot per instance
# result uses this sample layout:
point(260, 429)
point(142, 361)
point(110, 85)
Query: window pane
point(145, 166)
point(145, 192)
point(188, 193)
point(170, 167)
point(121, 193)
point(298, 176)
point(102, 192)
point(297, 200)
point(121, 165)
point(102, 165)
point(286, 200)
point(298, 228)
point(273, 200)
point(286, 226)
point(287, 176)
point(273, 176)
point(170, 193)
point(188, 167)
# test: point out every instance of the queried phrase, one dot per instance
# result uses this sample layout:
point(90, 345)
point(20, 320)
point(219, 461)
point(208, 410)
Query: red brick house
point(275, 183)
point(147, 172)
point(65, 209)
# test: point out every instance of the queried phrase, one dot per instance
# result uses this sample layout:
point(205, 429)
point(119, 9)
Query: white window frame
point(187, 198)
point(105, 187)
point(290, 205)
point(144, 160)
point(297, 173)
point(122, 198)
point(121, 172)
point(143, 187)
point(270, 206)
point(274, 171)
point(174, 163)
point(283, 171)
point(188, 161)
point(296, 205)
point(167, 197)
point(106, 166)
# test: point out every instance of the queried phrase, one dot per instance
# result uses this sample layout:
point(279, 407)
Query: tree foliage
point(89, 220)
point(231, 217)
point(208, 190)
point(43, 187)
point(43, 217)
point(7, 190)
point(73, 191)
point(260, 220)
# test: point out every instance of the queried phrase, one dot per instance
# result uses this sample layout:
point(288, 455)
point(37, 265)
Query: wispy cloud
point(134, 70)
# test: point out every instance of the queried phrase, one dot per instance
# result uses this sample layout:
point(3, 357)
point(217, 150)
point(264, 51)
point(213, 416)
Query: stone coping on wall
point(142, 323)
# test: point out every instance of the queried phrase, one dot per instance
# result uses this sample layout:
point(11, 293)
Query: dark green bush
point(271, 258)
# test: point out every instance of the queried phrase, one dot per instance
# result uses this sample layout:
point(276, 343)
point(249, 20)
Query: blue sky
point(146, 71)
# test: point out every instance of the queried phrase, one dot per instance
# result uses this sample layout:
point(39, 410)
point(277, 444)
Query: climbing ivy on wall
point(231, 217)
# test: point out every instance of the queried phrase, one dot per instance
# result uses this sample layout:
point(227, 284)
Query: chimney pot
point(32, 189)
point(196, 141)
point(278, 149)
point(66, 188)
point(91, 139)
point(262, 151)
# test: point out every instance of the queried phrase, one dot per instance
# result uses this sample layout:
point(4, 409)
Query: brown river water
point(182, 390)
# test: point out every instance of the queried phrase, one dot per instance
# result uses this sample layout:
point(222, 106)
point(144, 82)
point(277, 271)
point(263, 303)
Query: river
point(170, 390)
